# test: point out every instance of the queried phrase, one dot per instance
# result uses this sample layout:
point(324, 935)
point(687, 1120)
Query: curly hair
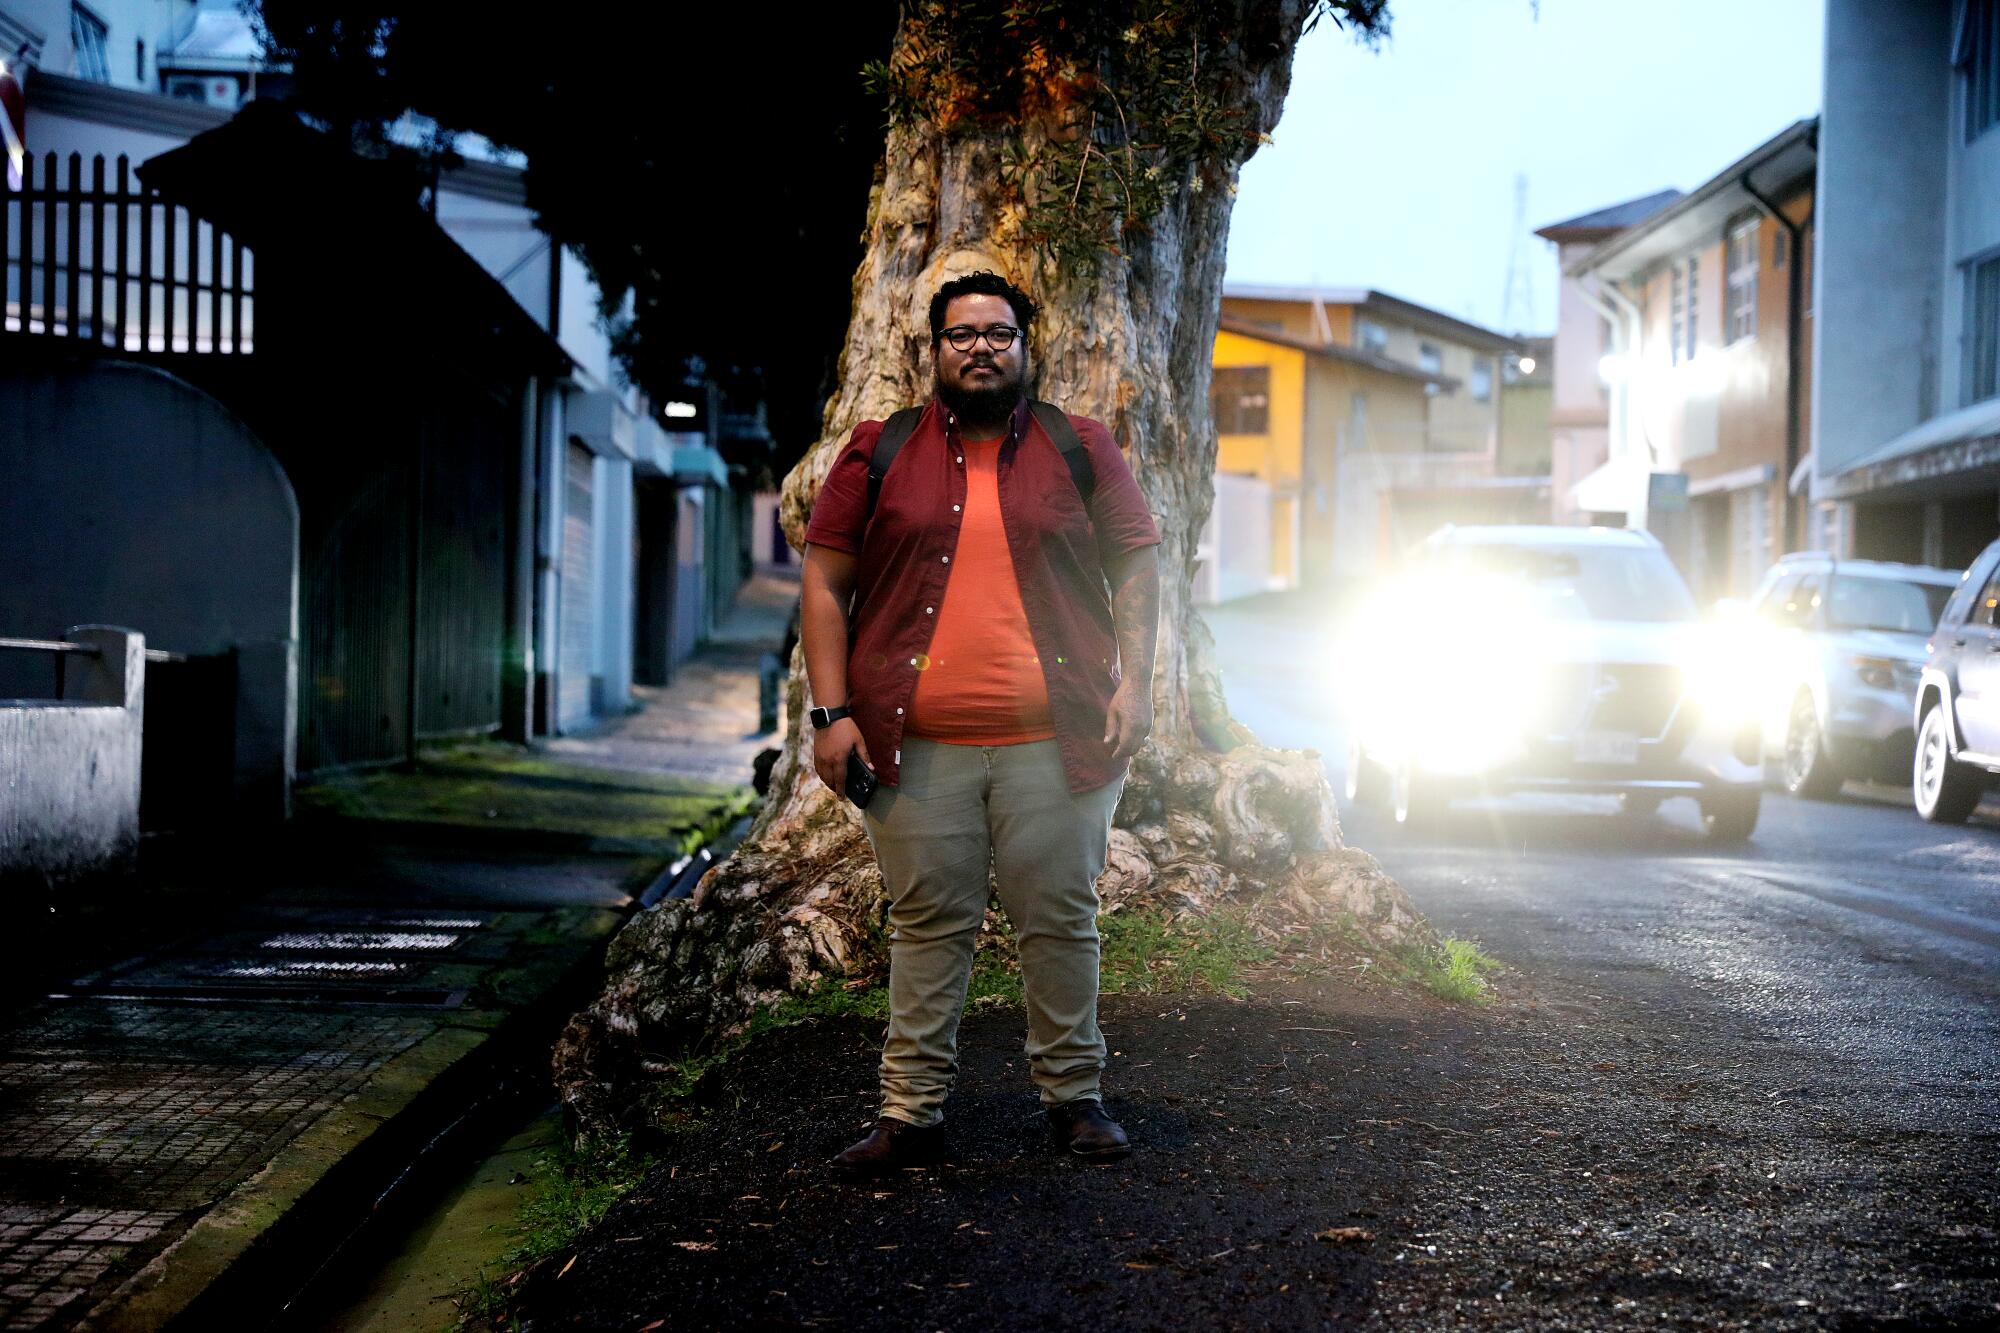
point(985, 282)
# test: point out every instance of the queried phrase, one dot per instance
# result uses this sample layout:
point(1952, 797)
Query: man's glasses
point(962, 337)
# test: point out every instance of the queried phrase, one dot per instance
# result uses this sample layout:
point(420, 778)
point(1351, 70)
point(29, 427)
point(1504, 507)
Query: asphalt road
point(1849, 928)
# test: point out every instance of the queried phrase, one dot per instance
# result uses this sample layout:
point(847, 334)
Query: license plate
point(1607, 749)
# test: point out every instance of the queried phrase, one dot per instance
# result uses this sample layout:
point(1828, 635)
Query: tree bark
point(1208, 815)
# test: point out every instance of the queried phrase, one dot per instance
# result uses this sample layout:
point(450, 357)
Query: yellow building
point(1289, 413)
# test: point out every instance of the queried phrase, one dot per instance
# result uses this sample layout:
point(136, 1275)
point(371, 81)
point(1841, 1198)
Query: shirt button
point(954, 509)
point(947, 559)
point(961, 458)
point(899, 712)
point(927, 610)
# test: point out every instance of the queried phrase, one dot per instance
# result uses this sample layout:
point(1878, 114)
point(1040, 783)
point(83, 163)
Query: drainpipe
point(1794, 336)
point(1623, 316)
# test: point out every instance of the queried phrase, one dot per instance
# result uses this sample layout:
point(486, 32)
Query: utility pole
point(1517, 302)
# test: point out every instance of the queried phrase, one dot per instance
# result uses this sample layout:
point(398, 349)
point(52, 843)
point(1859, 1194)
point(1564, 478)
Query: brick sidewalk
point(126, 1120)
point(170, 1112)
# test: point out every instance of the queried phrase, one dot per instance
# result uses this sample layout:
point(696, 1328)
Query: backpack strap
point(1056, 422)
point(896, 432)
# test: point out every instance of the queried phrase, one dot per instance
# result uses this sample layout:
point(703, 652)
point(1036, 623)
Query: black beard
point(981, 407)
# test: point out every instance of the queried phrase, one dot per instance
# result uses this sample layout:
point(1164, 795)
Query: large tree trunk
point(1208, 815)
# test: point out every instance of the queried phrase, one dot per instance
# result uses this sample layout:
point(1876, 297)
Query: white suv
point(1548, 658)
point(1838, 647)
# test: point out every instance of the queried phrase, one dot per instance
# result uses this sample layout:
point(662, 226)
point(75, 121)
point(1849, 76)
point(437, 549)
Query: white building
point(136, 78)
point(1906, 411)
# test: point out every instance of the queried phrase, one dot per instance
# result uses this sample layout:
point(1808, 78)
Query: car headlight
point(1721, 683)
point(1881, 673)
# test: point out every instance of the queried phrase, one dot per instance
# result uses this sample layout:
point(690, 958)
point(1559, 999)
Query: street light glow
point(1527, 365)
point(679, 409)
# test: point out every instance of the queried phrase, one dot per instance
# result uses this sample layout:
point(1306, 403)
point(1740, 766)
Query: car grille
point(1626, 698)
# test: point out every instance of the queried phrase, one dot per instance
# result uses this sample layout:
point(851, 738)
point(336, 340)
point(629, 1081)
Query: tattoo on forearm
point(1135, 613)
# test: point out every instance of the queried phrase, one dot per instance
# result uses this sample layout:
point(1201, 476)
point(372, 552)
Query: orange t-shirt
point(983, 683)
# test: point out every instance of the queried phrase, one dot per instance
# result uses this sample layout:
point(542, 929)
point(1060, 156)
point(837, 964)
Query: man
point(997, 693)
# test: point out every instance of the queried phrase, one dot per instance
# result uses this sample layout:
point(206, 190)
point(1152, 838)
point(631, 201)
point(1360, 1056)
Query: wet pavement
point(1848, 925)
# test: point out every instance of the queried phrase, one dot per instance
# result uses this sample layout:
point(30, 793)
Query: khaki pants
point(958, 809)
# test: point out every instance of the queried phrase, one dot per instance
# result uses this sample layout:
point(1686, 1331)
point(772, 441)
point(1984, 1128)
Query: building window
point(1371, 337)
point(1779, 239)
point(1482, 380)
point(1677, 326)
point(1982, 331)
point(1694, 302)
point(1240, 398)
point(88, 35)
point(1681, 327)
point(1429, 359)
point(1740, 272)
point(1976, 54)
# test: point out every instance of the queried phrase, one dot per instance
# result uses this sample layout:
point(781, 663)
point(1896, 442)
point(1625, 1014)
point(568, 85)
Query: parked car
point(1551, 659)
point(1836, 647)
point(1957, 711)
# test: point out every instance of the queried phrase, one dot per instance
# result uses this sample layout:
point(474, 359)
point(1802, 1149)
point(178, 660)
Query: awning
point(1619, 487)
point(1961, 446)
point(681, 456)
point(1742, 479)
point(600, 419)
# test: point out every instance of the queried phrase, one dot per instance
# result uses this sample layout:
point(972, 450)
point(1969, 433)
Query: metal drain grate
point(314, 967)
point(362, 941)
point(439, 922)
point(395, 956)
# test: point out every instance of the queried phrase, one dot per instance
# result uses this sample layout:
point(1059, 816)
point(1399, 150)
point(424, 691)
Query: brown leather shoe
point(891, 1145)
point(1082, 1127)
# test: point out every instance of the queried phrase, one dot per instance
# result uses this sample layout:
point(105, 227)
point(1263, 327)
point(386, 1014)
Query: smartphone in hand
point(860, 780)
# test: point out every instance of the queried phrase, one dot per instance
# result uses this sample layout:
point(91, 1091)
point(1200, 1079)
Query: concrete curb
point(243, 1221)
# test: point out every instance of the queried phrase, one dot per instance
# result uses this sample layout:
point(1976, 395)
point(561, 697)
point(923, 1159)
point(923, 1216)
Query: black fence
point(116, 264)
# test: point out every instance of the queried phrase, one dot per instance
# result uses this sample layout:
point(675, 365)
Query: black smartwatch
point(823, 718)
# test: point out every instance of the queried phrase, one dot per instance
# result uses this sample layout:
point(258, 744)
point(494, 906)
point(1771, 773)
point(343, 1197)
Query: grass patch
point(1151, 953)
point(1458, 974)
point(1455, 972)
point(574, 1188)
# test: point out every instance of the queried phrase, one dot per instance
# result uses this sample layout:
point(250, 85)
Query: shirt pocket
point(1059, 510)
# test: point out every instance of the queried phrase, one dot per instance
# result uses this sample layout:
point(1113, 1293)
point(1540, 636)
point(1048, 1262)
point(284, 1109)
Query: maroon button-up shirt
point(1060, 553)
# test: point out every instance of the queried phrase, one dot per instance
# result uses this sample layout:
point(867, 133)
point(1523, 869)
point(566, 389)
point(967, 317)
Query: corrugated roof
point(1243, 328)
point(1615, 218)
point(1367, 298)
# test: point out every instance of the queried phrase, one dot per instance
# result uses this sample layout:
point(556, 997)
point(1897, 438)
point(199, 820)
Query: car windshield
point(1882, 603)
point(1582, 582)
